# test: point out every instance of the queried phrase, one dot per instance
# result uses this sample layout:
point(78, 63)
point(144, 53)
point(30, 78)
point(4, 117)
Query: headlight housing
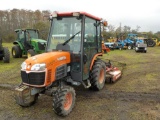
point(38, 67)
point(23, 66)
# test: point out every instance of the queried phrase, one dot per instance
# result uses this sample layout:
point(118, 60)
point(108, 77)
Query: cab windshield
point(62, 30)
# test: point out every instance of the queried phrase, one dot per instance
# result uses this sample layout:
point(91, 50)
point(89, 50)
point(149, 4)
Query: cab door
point(91, 44)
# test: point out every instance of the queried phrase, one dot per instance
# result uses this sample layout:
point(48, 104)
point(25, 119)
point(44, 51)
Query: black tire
point(98, 75)
point(30, 53)
point(1, 58)
point(151, 43)
point(64, 100)
point(6, 57)
point(16, 51)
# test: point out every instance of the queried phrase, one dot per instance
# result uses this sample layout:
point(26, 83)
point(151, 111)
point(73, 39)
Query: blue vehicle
point(110, 45)
point(131, 40)
point(120, 44)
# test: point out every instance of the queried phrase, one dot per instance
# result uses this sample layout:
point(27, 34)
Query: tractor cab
point(25, 36)
point(78, 33)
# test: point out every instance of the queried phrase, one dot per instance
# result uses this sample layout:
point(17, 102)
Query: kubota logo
point(61, 58)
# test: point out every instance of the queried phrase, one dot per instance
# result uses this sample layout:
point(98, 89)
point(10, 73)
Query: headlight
point(23, 66)
point(38, 67)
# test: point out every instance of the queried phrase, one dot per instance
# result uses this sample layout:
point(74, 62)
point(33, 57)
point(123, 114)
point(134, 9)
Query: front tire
point(98, 75)
point(16, 51)
point(64, 100)
point(6, 57)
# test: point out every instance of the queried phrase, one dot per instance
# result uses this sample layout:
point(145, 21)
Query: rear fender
point(94, 58)
point(18, 43)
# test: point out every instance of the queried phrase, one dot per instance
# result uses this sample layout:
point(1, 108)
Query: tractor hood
point(50, 58)
point(38, 40)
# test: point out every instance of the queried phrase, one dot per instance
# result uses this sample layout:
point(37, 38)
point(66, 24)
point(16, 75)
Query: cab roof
point(60, 14)
point(17, 30)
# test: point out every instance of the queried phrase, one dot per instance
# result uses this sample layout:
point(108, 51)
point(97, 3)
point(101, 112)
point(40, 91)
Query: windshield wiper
point(70, 38)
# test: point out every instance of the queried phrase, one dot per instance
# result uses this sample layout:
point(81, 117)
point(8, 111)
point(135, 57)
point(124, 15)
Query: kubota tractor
point(70, 60)
point(4, 53)
point(28, 43)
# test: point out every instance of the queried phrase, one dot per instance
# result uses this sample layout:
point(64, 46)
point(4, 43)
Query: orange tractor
point(71, 59)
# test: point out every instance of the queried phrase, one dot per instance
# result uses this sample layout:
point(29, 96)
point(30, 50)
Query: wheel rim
point(29, 55)
point(13, 52)
point(101, 77)
point(68, 101)
point(129, 47)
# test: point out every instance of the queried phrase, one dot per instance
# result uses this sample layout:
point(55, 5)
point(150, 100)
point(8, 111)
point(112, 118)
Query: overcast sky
point(143, 13)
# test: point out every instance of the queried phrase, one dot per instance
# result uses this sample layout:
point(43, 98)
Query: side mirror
point(85, 58)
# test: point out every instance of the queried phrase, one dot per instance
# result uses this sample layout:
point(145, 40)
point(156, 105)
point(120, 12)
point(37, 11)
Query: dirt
point(135, 96)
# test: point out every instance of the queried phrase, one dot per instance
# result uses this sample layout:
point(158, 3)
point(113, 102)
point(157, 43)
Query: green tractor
point(28, 43)
point(4, 53)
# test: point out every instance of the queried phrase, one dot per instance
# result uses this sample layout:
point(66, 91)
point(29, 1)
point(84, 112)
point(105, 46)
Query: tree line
point(21, 19)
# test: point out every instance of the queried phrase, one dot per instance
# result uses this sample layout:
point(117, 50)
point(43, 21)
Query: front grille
point(61, 72)
point(41, 46)
point(33, 78)
point(141, 48)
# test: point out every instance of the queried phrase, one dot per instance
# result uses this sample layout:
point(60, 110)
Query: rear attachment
point(113, 73)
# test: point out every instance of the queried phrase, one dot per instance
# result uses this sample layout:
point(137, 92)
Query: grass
point(141, 75)
point(10, 72)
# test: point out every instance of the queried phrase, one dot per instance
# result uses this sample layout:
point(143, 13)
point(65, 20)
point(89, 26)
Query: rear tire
point(6, 57)
point(30, 53)
point(98, 75)
point(64, 100)
point(151, 43)
point(16, 51)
